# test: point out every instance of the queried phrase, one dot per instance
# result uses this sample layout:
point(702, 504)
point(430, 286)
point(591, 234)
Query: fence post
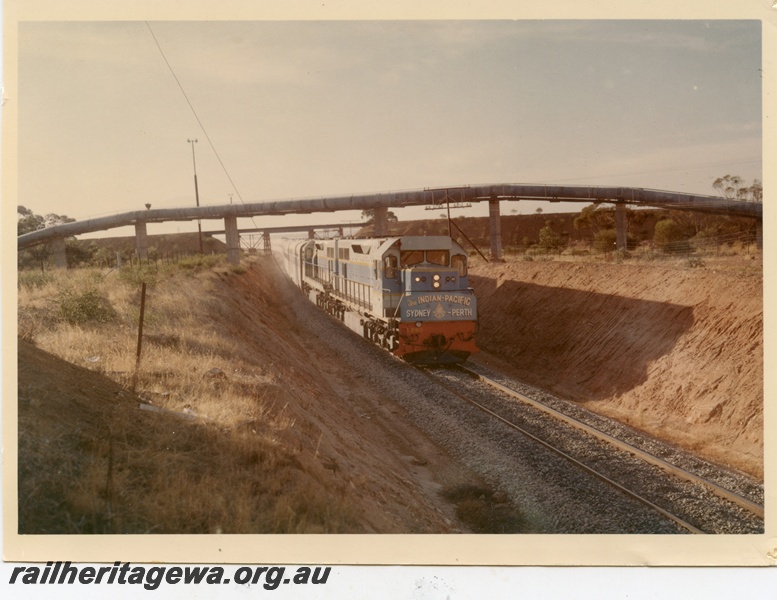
point(140, 334)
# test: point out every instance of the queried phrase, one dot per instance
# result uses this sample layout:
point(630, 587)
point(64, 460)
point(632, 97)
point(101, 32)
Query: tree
point(549, 240)
point(732, 187)
point(595, 218)
point(368, 214)
point(27, 222)
point(670, 237)
point(79, 253)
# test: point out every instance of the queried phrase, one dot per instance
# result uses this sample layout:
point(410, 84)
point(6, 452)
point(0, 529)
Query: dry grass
point(220, 453)
point(740, 258)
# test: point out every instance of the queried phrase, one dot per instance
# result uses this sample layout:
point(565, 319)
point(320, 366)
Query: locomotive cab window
point(437, 257)
point(459, 261)
point(410, 258)
point(390, 267)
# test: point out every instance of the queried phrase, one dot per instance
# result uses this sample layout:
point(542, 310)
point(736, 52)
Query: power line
point(194, 112)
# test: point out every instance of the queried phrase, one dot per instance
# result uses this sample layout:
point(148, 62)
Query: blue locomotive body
point(409, 294)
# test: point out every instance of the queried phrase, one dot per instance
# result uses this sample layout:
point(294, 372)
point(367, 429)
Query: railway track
point(692, 485)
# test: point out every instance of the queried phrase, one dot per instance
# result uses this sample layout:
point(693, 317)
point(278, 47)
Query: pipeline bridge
point(382, 202)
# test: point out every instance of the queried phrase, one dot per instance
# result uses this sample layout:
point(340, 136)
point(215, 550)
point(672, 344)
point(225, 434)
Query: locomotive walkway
point(382, 202)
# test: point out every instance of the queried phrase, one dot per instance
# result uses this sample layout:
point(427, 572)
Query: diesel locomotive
point(409, 294)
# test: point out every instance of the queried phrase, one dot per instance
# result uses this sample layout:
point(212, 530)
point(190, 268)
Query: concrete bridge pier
point(233, 240)
point(496, 229)
point(141, 240)
point(620, 226)
point(60, 253)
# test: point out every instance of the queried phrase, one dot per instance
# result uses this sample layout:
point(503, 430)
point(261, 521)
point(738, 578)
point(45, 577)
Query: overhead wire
point(196, 116)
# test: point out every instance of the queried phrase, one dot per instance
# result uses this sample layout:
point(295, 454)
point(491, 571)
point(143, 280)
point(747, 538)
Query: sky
point(299, 109)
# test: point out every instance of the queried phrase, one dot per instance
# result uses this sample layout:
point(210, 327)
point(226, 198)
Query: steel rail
point(631, 494)
point(718, 490)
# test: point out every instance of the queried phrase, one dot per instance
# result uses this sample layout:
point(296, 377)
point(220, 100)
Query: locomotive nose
point(431, 281)
point(437, 341)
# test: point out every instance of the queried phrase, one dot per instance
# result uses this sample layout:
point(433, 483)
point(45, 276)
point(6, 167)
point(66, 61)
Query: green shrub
point(550, 241)
point(134, 276)
point(78, 308)
point(670, 238)
point(604, 240)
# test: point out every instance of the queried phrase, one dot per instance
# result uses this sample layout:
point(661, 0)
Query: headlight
point(436, 278)
point(436, 284)
point(417, 279)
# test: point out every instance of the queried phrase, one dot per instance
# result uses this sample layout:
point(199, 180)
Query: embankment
point(676, 352)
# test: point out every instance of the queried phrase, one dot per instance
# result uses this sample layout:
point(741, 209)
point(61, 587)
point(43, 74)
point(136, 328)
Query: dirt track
point(676, 352)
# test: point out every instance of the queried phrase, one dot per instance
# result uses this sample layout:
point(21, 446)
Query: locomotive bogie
point(409, 294)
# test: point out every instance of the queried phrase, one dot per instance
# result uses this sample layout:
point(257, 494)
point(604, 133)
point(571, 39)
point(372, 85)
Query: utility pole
point(196, 192)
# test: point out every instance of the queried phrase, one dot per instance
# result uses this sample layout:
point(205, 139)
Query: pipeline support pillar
point(233, 240)
point(141, 240)
point(496, 229)
point(381, 221)
point(60, 253)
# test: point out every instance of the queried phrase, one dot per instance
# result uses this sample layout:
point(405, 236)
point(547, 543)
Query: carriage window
point(437, 257)
point(412, 257)
point(459, 261)
point(390, 266)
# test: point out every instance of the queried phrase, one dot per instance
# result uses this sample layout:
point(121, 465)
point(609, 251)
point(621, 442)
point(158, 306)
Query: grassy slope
point(92, 462)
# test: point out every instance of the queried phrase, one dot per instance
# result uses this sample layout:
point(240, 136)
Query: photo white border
point(383, 549)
